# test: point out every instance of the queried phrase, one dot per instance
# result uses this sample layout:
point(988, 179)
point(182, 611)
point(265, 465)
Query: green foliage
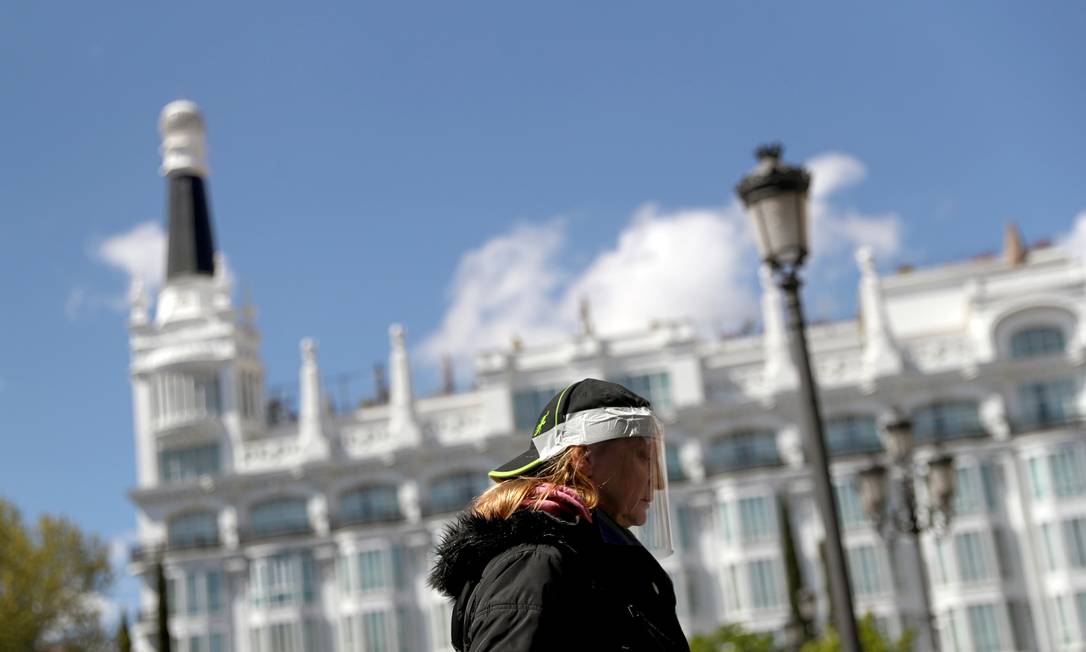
point(124, 643)
point(733, 638)
point(871, 640)
point(48, 574)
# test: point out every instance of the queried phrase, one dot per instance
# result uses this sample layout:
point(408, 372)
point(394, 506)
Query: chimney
point(1014, 250)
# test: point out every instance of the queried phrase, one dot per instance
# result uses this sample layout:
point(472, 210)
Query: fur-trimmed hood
point(472, 541)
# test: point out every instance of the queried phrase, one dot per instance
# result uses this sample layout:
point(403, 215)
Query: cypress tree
point(164, 641)
point(124, 643)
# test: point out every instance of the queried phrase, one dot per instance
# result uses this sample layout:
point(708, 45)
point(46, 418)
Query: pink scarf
point(558, 501)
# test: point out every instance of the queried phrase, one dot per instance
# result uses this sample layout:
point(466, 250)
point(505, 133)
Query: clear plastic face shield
point(628, 464)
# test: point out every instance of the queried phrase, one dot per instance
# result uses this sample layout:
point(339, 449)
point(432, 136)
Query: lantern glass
point(780, 224)
point(871, 485)
point(942, 480)
point(898, 438)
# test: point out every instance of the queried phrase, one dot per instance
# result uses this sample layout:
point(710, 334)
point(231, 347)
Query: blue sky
point(472, 169)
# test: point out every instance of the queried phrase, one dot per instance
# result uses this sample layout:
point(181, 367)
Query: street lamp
point(872, 485)
point(775, 196)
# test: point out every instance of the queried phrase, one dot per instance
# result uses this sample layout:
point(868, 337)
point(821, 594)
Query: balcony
point(1044, 420)
point(146, 554)
point(286, 530)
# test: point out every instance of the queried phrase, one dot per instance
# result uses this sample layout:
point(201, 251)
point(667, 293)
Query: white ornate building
point(314, 531)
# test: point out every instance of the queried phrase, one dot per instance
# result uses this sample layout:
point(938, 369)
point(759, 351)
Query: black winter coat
point(536, 582)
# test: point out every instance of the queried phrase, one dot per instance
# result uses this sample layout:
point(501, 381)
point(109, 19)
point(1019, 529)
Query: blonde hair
point(567, 470)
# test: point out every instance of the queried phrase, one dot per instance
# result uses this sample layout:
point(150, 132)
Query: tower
point(197, 377)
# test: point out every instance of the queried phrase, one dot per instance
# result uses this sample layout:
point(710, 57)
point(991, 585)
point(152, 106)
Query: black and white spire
point(191, 249)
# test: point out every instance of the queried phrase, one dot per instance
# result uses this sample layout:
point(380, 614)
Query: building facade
point(282, 531)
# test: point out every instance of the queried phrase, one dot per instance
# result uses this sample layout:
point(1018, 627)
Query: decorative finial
point(309, 349)
point(396, 336)
point(586, 317)
point(865, 258)
point(184, 144)
point(769, 150)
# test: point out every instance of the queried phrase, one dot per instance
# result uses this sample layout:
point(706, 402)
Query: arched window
point(278, 516)
point(853, 433)
point(744, 449)
point(675, 472)
point(454, 492)
point(194, 530)
point(1037, 341)
point(947, 420)
point(374, 504)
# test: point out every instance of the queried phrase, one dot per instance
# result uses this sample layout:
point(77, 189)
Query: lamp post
point(872, 485)
point(775, 196)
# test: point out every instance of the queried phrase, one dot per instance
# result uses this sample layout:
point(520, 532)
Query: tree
point(165, 644)
point(124, 643)
point(49, 575)
point(733, 638)
point(871, 640)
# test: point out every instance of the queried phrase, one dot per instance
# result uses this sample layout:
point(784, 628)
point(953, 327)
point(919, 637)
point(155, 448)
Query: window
point(188, 463)
point(974, 562)
point(455, 492)
point(733, 590)
point(280, 516)
point(1047, 403)
point(194, 530)
point(528, 404)
point(1037, 341)
point(370, 505)
point(1080, 609)
point(250, 395)
point(1060, 606)
point(765, 589)
point(946, 420)
point(743, 450)
point(852, 434)
point(675, 471)
point(864, 569)
point(1050, 546)
point(1067, 473)
point(292, 636)
point(756, 519)
point(1036, 477)
point(656, 388)
point(368, 632)
point(849, 507)
point(441, 625)
point(179, 397)
point(1074, 541)
point(212, 642)
point(281, 580)
point(968, 494)
point(196, 593)
point(984, 626)
point(724, 513)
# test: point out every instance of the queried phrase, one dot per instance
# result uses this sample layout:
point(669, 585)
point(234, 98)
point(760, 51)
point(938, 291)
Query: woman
point(544, 559)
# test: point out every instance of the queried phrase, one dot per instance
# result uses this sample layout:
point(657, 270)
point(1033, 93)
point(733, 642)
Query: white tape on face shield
point(628, 466)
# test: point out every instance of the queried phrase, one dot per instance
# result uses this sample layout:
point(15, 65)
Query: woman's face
point(621, 469)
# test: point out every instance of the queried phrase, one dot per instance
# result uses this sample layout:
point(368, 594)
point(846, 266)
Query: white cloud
point(834, 171)
point(503, 289)
point(695, 264)
point(124, 595)
point(139, 252)
point(1075, 241)
point(687, 264)
point(836, 232)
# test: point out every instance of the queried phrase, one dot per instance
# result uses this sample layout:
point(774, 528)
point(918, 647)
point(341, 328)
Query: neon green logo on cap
point(539, 428)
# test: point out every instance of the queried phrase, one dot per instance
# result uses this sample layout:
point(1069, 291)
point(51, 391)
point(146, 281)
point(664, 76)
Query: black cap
point(586, 394)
